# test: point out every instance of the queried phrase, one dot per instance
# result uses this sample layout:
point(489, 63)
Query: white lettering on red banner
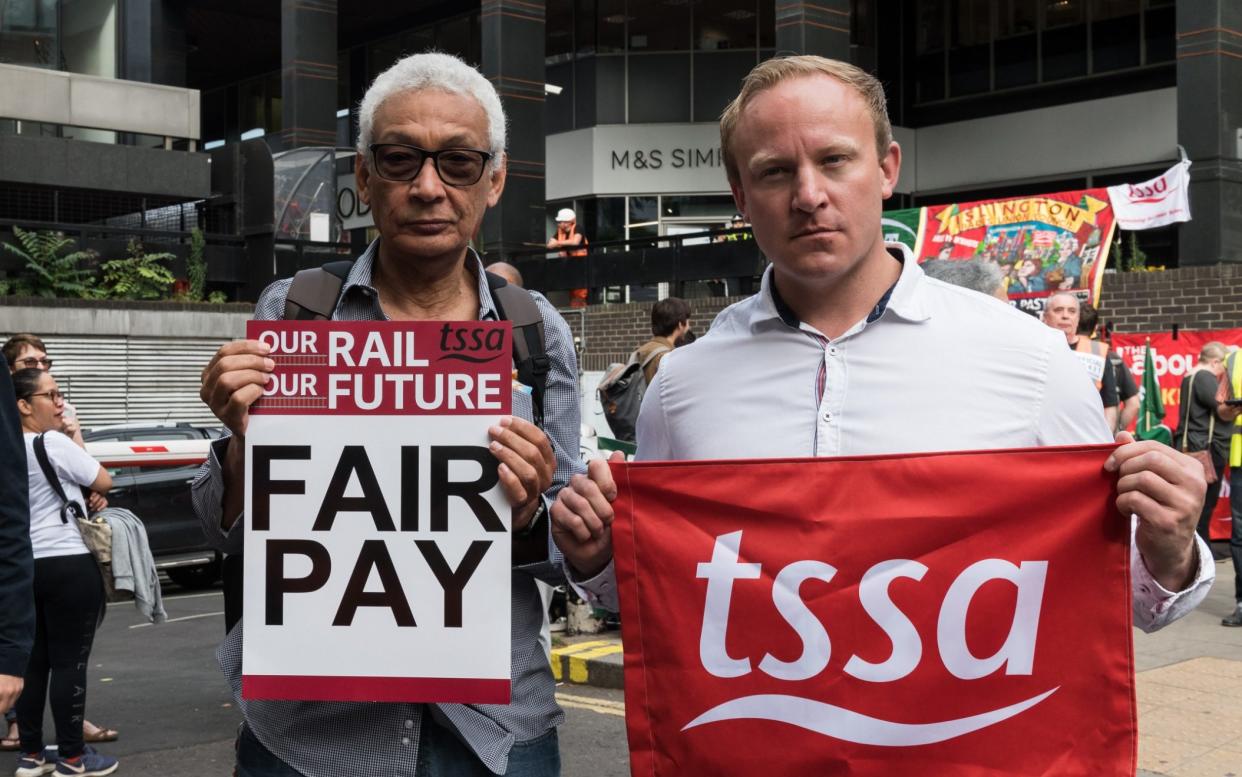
point(890, 615)
point(377, 564)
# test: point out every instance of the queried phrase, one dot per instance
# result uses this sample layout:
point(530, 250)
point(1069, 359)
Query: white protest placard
point(378, 553)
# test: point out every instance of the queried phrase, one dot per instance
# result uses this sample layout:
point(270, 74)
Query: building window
point(28, 34)
point(659, 88)
point(667, 60)
point(970, 47)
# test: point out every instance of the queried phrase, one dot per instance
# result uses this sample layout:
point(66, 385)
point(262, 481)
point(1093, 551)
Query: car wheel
point(200, 576)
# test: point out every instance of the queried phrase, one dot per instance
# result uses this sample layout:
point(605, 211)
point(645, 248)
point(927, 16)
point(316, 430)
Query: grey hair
point(434, 70)
point(972, 274)
point(1213, 350)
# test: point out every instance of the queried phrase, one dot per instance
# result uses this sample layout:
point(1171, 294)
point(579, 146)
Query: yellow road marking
point(578, 647)
point(617, 705)
point(578, 661)
point(600, 708)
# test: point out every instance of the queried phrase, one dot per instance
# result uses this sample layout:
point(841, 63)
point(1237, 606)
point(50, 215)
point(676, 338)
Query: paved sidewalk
point(1190, 691)
point(1189, 679)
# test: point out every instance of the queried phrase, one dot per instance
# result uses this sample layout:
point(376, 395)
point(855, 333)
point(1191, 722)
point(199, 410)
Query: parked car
point(152, 466)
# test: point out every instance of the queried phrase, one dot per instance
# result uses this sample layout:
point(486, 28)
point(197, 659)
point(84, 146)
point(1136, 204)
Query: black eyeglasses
point(31, 362)
point(455, 166)
point(53, 395)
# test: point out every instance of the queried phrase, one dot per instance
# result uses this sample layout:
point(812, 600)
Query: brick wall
point(1191, 297)
point(613, 331)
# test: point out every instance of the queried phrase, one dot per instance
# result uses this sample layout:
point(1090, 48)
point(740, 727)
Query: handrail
point(644, 241)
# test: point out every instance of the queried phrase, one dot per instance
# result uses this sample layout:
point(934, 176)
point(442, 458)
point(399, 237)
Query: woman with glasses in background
point(68, 590)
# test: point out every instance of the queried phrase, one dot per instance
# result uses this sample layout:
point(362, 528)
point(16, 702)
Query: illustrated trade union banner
point(964, 614)
point(1043, 244)
point(1174, 358)
point(377, 564)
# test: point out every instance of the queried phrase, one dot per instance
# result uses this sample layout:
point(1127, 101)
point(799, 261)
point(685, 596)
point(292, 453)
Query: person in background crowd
point(26, 351)
point(976, 274)
point(809, 155)
point(1061, 312)
point(670, 322)
point(506, 271)
point(1206, 425)
point(1127, 388)
point(737, 222)
point(68, 590)
point(16, 570)
point(1233, 381)
point(23, 351)
point(570, 242)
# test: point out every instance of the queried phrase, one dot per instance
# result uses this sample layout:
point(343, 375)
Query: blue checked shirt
point(328, 739)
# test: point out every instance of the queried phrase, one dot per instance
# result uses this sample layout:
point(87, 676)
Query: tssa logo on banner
point(877, 616)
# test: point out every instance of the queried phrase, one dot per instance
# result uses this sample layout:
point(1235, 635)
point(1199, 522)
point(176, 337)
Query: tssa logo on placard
point(1016, 656)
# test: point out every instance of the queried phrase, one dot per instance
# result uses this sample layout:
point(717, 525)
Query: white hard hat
point(566, 214)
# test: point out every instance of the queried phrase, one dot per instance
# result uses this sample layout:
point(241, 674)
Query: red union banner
point(1043, 244)
point(1174, 358)
point(961, 613)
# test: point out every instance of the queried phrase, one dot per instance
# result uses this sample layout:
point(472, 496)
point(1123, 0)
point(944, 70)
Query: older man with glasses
point(430, 163)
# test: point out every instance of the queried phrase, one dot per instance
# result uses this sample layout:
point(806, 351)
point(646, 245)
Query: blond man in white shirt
point(851, 350)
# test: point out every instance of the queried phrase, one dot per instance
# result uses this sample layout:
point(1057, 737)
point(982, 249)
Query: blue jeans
point(441, 754)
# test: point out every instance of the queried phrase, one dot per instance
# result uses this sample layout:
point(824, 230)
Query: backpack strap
point(45, 464)
point(515, 304)
point(314, 293)
point(660, 351)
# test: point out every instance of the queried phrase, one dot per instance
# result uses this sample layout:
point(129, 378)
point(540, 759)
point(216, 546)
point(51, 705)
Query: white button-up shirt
point(935, 368)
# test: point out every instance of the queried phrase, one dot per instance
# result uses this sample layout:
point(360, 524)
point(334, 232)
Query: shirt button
point(827, 416)
point(409, 724)
point(833, 350)
point(405, 740)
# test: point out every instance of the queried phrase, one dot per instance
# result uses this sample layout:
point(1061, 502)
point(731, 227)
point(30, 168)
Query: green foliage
point(139, 275)
point(196, 265)
point(1127, 256)
point(1138, 259)
point(52, 268)
point(217, 298)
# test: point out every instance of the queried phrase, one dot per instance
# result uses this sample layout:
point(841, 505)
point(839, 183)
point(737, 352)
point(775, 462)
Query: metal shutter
point(112, 380)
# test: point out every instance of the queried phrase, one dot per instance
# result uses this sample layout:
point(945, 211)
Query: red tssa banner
point(961, 614)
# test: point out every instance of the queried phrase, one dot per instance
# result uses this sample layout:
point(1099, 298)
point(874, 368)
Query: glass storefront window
point(453, 37)
point(88, 37)
point(717, 78)
point(658, 25)
point(714, 207)
point(726, 24)
point(1059, 13)
point(1115, 35)
point(659, 88)
point(643, 209)
point(558, 30)
point(600, 26)
point(28, 33)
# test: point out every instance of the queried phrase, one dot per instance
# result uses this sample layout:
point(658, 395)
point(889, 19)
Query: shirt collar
point(360, 280)
point(903, 299)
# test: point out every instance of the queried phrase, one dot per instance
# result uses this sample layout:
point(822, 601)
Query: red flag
point(948, 614)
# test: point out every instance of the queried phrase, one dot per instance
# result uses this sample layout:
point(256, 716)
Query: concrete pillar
point(307, 73)
point(512, 48)
point(820, 27)
point(1209, 104)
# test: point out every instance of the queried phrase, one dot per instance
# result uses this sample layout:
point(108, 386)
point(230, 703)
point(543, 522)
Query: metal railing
point(732, 255)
